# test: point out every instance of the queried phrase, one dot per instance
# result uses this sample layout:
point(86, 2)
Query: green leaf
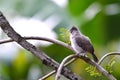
point(65, 35)
point(92, 71)
point(109, 66)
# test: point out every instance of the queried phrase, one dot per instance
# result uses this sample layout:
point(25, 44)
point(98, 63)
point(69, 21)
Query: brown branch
point(5, 26)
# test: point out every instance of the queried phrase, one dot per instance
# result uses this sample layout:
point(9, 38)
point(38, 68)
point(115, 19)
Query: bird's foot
point(82, 54)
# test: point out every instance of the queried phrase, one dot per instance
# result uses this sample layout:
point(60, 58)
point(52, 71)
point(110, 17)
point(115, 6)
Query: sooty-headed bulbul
point(80, 43)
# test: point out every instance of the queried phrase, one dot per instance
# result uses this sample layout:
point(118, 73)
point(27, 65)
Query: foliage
point(65, 35)
point(109, 66)
point(92, 71)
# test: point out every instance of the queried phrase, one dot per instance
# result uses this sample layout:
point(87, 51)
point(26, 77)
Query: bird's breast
point(75, 46)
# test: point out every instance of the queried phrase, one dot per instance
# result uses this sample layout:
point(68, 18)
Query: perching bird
point(80, 43)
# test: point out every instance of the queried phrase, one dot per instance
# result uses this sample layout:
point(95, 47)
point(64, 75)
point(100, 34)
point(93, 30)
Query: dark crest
point(73, 29)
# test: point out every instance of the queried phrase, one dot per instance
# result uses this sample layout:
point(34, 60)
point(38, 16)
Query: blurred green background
point(97, 19)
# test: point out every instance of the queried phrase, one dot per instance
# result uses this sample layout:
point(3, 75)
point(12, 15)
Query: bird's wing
point(85, 44)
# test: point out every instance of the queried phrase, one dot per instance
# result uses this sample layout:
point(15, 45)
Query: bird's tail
point(94, 57)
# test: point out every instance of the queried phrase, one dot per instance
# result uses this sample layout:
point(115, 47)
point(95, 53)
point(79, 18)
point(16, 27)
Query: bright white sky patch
point(32, 27)
point(60, 3)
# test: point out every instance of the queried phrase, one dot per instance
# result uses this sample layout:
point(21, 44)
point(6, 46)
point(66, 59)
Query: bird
point(80, 43)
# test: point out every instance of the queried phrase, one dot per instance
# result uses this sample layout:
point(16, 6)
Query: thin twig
point(62, 65)
point(40, 38)
point(6, 41)
point(108, 54)
point(48, 75)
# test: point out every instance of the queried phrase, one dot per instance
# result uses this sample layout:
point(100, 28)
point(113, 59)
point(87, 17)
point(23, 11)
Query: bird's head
point(73, 30)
